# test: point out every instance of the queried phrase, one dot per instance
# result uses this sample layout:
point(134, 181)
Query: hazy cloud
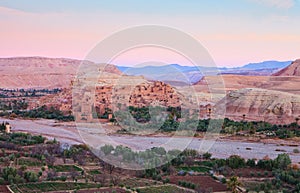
point(284, 4)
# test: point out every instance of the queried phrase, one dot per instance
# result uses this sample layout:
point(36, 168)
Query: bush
point(282, 161)
point(296, 150)
point(107, 149)
point(193, 186)
point(158, 178)
point(235, 161)
point(250, 163)
point(63, 178)
point(223, 180)
point(167, 180)
point(2, 181)
point(207, 155)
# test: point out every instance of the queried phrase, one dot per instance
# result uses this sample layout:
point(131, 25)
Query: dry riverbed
point(67, 132)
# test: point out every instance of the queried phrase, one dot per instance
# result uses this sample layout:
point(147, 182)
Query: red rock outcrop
point(291, 70)
point(261, 105)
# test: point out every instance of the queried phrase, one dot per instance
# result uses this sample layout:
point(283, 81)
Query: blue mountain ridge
point(192, 74)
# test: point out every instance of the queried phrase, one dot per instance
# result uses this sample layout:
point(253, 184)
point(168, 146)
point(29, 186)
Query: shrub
point(154, 177)
point(63, 178)
point(207, 155)
point(193, 186)
point(296, 150)
point(107, 149)
point(2, 181)
point(158, 177)
point(235, 161)
point(282, 161)
point(223, 180)
point(250, 163)
point(188, 184)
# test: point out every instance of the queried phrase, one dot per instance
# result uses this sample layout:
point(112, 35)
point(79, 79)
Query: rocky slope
point(291, 70)
point(40, 72)
point(261, 105)
point(229, 83)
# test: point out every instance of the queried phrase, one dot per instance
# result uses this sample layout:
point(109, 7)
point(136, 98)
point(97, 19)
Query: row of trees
point(23, 139)
point(6, 93)
point(282, 161)
point(149, 158)
point(14, 176)
point(46, 113)
point(169, 119)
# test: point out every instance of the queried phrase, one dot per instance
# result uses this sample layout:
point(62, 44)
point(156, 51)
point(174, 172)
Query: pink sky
point(231, 41)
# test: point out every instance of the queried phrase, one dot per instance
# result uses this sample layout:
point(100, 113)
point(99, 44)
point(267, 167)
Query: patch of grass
point(51, 186)
point(28, 162)
point(136, 182)
point(165, 189)
point(94, 172)
point(65, 168)
point(195, 169)
point(206, 163)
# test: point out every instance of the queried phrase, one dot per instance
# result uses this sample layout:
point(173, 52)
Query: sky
point(234, 32)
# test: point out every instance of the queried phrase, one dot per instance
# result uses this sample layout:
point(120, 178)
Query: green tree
point(9, 171)
point(31, 176)
point(282, 161)
point(107, 149)
point(207, 155)
point(235, 161)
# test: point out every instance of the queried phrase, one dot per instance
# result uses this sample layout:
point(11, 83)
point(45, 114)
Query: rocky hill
point(261, 105)
point(111, 92)
point(40, 72)
point(291, 70)
point(229, 83)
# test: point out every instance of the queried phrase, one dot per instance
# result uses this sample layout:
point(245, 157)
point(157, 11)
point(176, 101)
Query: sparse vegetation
point(42, 112)
point(27, 158)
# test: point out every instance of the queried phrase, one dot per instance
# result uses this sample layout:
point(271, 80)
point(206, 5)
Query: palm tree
point(233, 184)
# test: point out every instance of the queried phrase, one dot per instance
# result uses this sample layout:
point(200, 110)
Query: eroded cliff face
point(261, 105)
point(291, 70)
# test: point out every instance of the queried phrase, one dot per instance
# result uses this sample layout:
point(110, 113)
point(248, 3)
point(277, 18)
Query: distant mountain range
point(179, 75)
point(267, 65)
